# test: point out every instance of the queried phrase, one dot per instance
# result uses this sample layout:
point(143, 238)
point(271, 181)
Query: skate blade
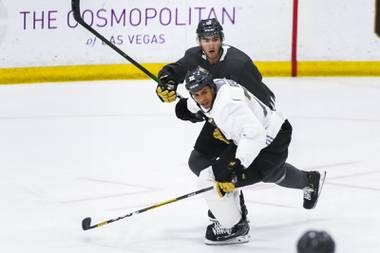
point(321, 183)
point(236, 240)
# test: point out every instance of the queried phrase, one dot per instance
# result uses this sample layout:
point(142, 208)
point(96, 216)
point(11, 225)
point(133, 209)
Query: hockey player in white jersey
point(259, 138)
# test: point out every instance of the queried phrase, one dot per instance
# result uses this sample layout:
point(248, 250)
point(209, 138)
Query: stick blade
point(86, 223)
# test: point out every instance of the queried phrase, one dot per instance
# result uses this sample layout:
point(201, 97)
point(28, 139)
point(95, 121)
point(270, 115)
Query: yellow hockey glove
point(224, 187)
point(166, 95)
point(166, 89)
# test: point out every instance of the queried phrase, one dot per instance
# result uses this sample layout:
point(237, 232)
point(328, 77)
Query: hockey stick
point(75, 6)
point(86, 222)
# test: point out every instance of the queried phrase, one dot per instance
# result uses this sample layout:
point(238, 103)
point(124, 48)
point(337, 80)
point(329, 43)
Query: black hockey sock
point(294, 178)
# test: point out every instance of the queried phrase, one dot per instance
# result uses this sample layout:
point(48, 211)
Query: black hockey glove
point(229, 171)
point(166, 90)
point(237, 170)
point(233, 174)
point(183, 113)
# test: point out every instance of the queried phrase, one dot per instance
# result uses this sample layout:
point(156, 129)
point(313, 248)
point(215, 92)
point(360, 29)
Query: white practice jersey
point(242, 118)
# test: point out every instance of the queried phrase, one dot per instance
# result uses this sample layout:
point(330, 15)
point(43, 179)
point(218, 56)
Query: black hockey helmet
point(198, 78)
point(313, 241)
point(209, 27)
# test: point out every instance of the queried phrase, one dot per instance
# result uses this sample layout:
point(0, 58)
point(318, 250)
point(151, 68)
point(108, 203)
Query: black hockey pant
point(269, 166)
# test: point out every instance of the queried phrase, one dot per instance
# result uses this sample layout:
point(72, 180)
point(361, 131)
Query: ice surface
point(104, 149)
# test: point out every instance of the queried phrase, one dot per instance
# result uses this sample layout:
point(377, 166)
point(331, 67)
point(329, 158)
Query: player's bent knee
point(198, 162)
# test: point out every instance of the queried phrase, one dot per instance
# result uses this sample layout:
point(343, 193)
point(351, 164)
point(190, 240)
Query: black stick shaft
point(75, 5)
point(86, 222)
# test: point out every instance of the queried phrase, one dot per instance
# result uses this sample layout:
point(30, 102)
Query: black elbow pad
point(183, 113)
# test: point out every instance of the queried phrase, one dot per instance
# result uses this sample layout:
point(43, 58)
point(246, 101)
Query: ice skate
point(218, 235)
point(313, 190)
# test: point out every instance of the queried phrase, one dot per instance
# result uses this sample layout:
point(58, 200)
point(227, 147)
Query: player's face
point(204, 97)
point(211, 47)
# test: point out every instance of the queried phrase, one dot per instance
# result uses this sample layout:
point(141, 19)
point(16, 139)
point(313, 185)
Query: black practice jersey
point(233, 64)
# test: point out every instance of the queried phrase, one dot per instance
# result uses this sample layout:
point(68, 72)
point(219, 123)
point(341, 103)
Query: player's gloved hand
point(165, 95)
point(234, 172)
point(237, 169)
point(183, 113)
point(224, 187)
point(166, 90)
